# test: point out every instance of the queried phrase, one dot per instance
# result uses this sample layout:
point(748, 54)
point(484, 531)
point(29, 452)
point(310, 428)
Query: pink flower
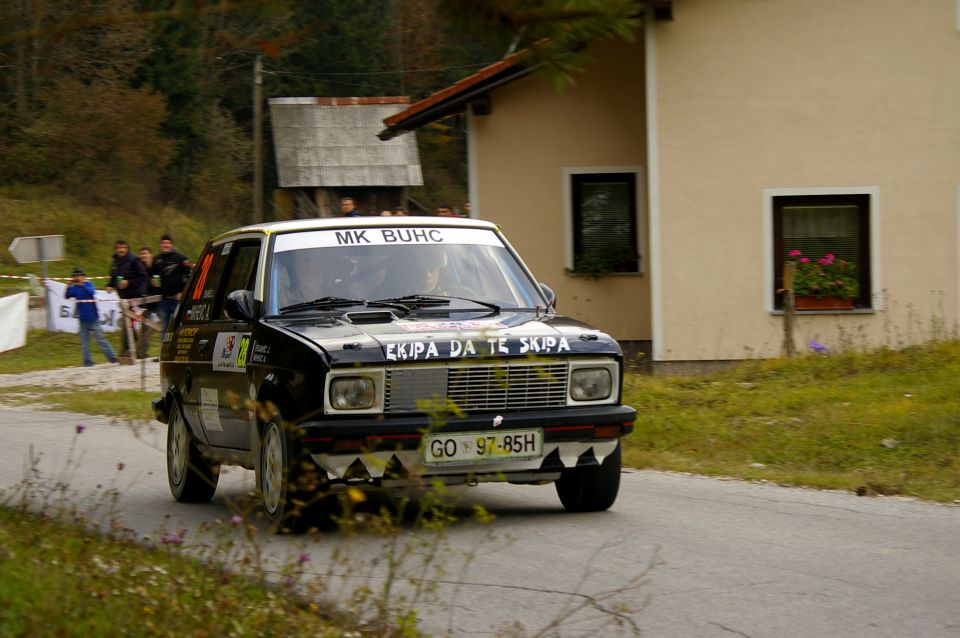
point(804, 260)
point(795, 253)
point(830, 256)
point(304, 558)
point(824, 262)
point(171, 539)
point(237, 519)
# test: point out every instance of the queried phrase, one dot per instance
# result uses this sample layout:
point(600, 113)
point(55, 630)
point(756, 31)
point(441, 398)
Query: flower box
point(809, 302)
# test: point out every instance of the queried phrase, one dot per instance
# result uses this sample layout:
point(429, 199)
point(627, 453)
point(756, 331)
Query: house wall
point(520, 152)
point(751, 97)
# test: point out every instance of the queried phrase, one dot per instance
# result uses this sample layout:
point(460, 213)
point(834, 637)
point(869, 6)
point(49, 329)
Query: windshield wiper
point(330, 303)
point(426, 301)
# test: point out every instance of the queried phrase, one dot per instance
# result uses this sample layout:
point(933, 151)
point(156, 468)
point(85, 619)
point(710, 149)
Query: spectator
point(128, 278)
point(173, 269)
point(149, 307)
point(85, 294)
point(445, 210)
point(400, 211)
point(386, 213)
point(348, 208)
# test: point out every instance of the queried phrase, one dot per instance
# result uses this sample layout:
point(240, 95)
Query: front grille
point(477, 388)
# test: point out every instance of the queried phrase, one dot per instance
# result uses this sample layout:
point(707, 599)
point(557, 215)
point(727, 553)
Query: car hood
point(375, 338)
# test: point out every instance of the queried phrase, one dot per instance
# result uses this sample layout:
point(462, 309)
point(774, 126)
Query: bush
point(99, 141)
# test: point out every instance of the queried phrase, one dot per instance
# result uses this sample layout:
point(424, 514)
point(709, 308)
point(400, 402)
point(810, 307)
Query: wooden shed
point(327, 148)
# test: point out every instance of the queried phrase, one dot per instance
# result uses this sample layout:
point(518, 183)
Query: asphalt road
point(676, 556)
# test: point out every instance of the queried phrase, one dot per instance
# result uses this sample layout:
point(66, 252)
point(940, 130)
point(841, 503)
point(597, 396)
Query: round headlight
point(352, 393)
point(590, 384)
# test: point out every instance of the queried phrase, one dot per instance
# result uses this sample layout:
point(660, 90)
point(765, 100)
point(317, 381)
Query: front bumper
point(160, 410)
point(389, 448)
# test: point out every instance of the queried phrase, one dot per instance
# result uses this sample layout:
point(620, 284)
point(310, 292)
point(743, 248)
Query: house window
point(820, 224)
point(603, 209)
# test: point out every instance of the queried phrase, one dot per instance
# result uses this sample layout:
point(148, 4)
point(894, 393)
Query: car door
point(222, 380)
point(192, 341)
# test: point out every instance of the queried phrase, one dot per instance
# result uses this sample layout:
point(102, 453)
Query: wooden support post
point(789, 309)
point(127, 326)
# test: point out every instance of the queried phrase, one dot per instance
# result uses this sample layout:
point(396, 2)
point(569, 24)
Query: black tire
point(593, 488)
point(292, 488)
point(192, 477)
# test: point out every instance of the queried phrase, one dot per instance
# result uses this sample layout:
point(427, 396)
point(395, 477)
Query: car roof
point(330, 223)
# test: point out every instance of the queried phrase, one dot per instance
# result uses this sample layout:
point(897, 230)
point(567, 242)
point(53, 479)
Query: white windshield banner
point(398, 236)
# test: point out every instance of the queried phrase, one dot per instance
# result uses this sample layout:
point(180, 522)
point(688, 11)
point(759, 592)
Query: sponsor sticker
point(397, 236)
point(210, 409)
point(231, 351)
point(432, 326)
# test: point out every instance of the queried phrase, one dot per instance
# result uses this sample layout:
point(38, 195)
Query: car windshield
point(420, 265)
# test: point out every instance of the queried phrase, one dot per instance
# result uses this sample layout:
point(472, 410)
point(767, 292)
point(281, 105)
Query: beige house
point(732, 131)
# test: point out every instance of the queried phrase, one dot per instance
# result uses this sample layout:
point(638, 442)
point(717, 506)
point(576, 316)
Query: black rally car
point(382, 352)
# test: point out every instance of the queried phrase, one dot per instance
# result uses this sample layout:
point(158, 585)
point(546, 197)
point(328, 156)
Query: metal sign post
point(42, 248)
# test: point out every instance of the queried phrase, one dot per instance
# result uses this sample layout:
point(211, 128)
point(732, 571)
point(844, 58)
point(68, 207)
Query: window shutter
point(818, 230)
point(605, 217)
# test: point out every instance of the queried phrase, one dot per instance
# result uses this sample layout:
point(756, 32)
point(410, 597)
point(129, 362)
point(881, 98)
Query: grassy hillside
point(90, 231)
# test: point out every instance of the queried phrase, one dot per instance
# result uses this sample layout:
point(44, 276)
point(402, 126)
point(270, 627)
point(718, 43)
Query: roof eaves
point(454, 98)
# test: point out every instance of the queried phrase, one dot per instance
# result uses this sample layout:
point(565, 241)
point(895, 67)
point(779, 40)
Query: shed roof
point(332, 141)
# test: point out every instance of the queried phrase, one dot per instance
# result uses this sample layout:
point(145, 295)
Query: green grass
point(880, 423)
point(50, 350)
point(57, 579)
point(133, 405)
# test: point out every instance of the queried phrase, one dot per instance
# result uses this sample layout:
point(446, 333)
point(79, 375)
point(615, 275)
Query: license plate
point(472, 447)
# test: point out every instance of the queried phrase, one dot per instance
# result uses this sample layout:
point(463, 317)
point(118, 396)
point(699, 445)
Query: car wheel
point(593, 488)
point(291, 485)
point(192, 477)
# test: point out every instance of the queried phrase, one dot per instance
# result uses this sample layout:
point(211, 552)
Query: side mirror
point(549, 294)
point(240, 305)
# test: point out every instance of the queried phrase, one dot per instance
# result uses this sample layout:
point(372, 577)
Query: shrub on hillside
point(99, 141)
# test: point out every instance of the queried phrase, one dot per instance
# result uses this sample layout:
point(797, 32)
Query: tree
point(100, 141)
point(554, 31)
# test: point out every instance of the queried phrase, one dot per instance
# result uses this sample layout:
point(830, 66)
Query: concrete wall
point(521, 152)
point(753, 96)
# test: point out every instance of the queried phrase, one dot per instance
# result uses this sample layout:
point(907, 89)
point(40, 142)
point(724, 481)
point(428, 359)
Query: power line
point(404, 71)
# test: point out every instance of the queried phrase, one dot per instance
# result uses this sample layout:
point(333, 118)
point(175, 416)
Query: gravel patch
point(142, 375)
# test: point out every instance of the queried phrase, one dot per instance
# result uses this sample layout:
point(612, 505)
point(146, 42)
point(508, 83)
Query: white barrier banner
point(13, 321)
point(63, 311)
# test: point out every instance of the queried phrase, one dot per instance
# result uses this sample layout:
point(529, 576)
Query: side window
point(816, 227)
point(199, 297)
point(604, 217)
point(241, 272)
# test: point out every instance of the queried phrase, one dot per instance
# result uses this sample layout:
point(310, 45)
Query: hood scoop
point(370, 316)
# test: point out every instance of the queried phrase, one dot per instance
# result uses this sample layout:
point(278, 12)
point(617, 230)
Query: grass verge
point(887, 422)
point(58, 579)
point(50, 350)
point(131, 405)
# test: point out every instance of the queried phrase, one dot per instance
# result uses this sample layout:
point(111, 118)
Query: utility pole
point(258, 140)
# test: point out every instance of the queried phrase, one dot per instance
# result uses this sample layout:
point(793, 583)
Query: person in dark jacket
point(150, 308)
point(128, 277)
point(173, 270)
point(85, 294)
